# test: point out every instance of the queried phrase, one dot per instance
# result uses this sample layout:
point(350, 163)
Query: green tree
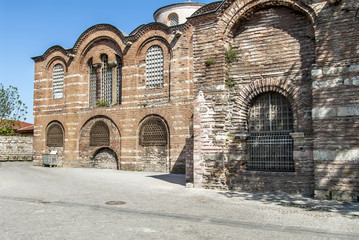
point(12, 110)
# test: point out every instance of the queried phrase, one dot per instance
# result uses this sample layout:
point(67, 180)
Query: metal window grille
point(100, 135)
point(106, 81)
point(154, 67)
point(58, 81)
point(93, 87)
point(270, 146)
point(55, 136)
point(173, 20)
point(119, 83)
point(153, 133)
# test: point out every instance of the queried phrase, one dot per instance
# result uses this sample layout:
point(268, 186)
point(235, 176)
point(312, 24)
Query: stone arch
point(105, 158)
point(88, 151)
point(153, 142)
point(251, 91)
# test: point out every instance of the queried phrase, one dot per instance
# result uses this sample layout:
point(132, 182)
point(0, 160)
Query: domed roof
point(177, 13)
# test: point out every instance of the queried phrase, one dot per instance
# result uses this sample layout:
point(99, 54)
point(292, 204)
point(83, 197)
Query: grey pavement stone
point(60, 203)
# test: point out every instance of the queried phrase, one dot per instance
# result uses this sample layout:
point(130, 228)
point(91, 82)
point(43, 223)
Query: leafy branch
point(12, 110)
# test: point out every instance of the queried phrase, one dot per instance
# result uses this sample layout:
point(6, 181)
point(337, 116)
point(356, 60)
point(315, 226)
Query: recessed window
point(54, 135)
point(100, 134)
point(105, 82)
point(173, 19)
point(270, 146)
point(154, 67)
point(153, 133)
point(58, 81)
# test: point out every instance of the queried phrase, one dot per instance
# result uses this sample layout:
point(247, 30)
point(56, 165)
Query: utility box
point(49, 160)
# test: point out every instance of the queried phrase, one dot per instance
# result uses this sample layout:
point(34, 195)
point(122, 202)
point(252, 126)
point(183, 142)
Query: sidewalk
point(60, 203)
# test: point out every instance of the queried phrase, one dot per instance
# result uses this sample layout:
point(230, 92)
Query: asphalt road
point(63, 203)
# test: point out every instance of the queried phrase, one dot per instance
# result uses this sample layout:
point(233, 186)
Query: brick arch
point(86, 150)
point(155, 155)
point(55, 124)
point(243, 9)
point(254, 89)
point(85, 56)
point(147, 118)
point(56, 60)
point(155, 40)
point(93, 31)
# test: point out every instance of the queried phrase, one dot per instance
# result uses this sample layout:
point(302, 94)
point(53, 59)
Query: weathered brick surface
point(13, 148)
point(172, 103)
point(305, 50)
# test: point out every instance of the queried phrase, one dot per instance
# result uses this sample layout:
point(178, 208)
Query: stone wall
point(16, 148)
point(310, 56)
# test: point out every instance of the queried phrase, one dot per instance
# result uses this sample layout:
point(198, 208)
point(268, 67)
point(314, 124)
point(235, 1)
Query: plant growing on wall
point(12, 110)
point(209, 62)
point(102, 103)
point(231, 57)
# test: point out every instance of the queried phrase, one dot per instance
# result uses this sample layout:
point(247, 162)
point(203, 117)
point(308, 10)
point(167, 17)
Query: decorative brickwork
point(214, 68)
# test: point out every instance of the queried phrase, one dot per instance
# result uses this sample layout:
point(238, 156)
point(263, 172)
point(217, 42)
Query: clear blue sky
point(29, 27)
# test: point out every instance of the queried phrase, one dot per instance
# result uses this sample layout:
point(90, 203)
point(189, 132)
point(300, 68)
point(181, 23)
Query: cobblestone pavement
point(61, 203)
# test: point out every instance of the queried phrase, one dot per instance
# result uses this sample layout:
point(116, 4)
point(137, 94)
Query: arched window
point(58, 81)
point(99, 134)
point(119, 81)
point(270, 122)
point(154, 67)
point(173, 19)
point(153, 133)
point(55, 135)
point(106, 81)
point(93, 85)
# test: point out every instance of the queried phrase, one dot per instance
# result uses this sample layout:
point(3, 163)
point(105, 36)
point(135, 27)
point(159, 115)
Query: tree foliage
point(12, 110)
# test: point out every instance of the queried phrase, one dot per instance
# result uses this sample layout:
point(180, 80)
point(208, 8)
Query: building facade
point(237, 94)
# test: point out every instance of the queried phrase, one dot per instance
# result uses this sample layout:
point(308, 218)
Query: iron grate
point(100, 135)
point(270, 146)
point(153, 133)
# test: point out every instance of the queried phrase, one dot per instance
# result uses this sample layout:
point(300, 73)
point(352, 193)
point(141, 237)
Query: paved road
point(61, 203)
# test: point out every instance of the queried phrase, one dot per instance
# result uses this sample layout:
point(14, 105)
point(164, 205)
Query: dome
point(176, 14)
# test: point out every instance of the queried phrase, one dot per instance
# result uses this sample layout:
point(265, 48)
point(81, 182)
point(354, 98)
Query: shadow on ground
point(179, 179)
point(347, 209)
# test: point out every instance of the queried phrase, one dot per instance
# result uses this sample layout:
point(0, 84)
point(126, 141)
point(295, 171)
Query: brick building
point(238, 94)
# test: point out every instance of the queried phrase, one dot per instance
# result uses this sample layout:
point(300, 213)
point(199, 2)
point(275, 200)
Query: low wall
point(14, 148)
